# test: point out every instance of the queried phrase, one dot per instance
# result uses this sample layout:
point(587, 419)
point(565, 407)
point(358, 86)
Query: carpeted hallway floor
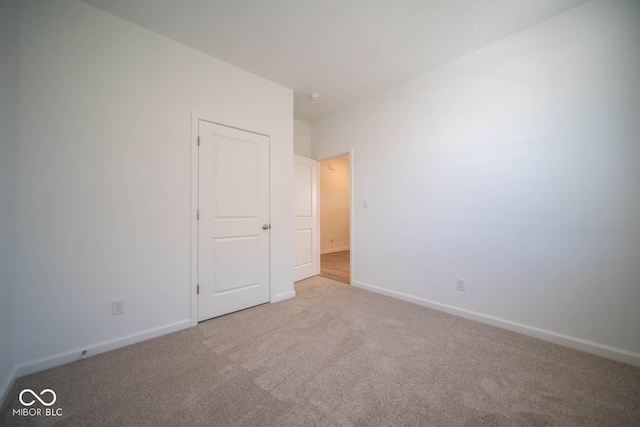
point(339, 356)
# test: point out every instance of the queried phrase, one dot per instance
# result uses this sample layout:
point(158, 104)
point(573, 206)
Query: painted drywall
point(515, 168)
point(9, 101)
point(105, 174)
point(302, 138)
point(335, 195)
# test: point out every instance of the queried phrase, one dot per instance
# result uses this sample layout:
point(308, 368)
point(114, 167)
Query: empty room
point(169, 255)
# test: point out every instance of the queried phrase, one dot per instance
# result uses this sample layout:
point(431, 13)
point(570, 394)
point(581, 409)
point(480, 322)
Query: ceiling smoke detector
point(314, 96)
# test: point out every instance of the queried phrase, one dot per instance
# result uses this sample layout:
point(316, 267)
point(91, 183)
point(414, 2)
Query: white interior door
point(305, 218)
point(233, 225)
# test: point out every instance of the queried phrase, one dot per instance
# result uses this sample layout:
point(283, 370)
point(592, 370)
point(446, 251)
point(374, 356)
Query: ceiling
point(347, 50)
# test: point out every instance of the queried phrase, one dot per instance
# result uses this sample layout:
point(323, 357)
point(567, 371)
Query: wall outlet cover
point(117, 307)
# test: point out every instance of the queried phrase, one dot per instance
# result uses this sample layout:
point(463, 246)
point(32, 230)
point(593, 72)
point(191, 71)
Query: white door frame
point(351, 224)
point(196, 116)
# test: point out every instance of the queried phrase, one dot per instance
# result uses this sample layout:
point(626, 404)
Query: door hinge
point(198, 290)
point(198, 140)
point(198, 214)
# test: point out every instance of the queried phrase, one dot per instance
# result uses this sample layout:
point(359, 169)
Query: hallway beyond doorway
point(336, 266)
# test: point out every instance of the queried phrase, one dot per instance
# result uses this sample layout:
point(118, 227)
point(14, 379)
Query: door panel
point(303, 187)
point(303, 242)
point(236, 163)
point(305, 233)
point(233, 247)
point(235, 260)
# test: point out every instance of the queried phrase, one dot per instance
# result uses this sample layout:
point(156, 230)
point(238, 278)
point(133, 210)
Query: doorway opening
point(335, 218)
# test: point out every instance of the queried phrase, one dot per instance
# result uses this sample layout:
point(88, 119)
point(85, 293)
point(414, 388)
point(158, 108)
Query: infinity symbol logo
point(47, 390)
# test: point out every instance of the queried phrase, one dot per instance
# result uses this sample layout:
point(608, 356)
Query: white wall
point(9, 81)
point(104, 174)
point(302, 138)
point(515, 168)
point(335, 203)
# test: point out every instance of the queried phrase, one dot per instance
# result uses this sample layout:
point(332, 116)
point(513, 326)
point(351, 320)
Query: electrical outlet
point(461, 285)
point(117, 307)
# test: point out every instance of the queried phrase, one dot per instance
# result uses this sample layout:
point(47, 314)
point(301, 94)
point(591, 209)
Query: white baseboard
point(283, 296)
point(6, 385)
point(93, 349)
point(603, 350)
point(328, 251)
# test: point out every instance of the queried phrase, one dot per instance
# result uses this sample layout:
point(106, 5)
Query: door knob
point(266, 226)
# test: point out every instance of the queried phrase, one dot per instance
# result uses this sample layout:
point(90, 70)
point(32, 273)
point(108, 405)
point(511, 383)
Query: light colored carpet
point(339, 356)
